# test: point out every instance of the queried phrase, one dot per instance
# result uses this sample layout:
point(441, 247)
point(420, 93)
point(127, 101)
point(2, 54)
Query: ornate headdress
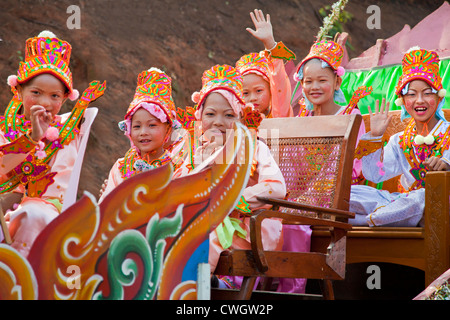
point(219, 77)
point(328, 51)
point(153, 93)
point(45, 54)
point(254, 63)
point(420, 64)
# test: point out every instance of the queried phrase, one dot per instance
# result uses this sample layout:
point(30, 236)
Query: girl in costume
point(219, 104)
point(148, 123)
point(38, 146)
point(265, 82)
point(320, 75)
point(423, 146)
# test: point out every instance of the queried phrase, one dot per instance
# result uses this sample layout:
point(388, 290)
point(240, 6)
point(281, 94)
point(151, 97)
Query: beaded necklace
point(415, 154)
point(133, 163)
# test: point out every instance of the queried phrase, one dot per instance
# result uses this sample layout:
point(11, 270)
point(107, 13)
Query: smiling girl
point(219, 104)
point(265, 82)
point(320, 75)
point(423, 146)
point(147, 124)
point(38, 147)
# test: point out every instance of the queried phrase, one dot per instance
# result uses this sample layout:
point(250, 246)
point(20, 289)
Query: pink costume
point(266, 178)
point(40, 170)
point(34, 213)
point(154, 94)
point(269, 64)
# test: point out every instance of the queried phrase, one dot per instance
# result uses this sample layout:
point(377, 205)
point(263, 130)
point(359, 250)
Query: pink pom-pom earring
point(12, 81)
point(198, 114)
point(340, 71)
point(195, 97)
point(74, 95)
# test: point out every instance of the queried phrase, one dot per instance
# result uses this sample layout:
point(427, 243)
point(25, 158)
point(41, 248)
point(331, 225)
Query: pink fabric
point(27, 222)
point(280, 90)
point(258, 73)
point(268, 181)
point(114, 179)
point(296, 239)
point(230, 97)
point(33, 214)
point(271, 233)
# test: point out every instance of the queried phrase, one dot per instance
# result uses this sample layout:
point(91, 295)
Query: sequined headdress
point(46, 54)
point(219, 77)
point(153, 87)
point(326, 50)
point(331, 54)
point(420, 64)
point(254, 63)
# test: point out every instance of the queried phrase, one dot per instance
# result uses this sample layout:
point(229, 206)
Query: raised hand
point(40, 121)
point(263, 29)
point(380, 119)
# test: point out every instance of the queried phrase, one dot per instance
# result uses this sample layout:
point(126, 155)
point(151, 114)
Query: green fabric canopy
point(383, 80)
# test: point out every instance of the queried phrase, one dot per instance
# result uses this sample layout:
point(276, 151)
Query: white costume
point(379, 207)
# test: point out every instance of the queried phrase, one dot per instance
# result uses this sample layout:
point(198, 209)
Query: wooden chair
point(426, 248)
point(315, 155)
